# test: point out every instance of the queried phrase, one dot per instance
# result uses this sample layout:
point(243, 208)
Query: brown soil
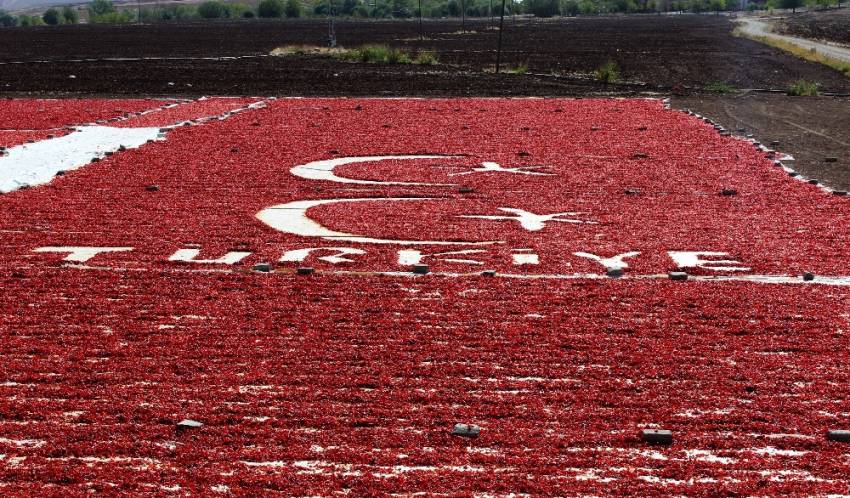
point(654, 53)
point(809, 128)
point(831, 25)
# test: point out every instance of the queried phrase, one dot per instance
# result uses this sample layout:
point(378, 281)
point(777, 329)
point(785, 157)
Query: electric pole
point(501, 28)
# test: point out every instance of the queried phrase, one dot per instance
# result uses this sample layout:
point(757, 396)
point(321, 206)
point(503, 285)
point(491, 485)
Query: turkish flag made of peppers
point(349, 380)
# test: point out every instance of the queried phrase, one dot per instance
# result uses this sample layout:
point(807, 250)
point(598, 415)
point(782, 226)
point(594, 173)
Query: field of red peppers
point(132, 300)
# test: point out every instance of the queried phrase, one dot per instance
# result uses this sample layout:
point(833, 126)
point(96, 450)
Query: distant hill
point(22, 5)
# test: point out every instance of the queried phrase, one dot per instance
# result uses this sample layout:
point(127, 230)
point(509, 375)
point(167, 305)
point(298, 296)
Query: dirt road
point(754, 28)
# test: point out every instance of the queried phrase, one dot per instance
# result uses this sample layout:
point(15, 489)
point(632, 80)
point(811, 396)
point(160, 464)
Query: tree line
point(104, 11)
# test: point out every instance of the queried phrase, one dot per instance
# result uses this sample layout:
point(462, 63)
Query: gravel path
point(757, 28)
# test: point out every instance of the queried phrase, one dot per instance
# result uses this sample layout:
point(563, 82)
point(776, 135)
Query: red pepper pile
point(312, 385)
point(39, 114)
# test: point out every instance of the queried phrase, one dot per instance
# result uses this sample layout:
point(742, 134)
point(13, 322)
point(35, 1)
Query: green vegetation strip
point(372, 54)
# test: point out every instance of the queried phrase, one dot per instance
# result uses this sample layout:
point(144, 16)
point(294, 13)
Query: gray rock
point(840, 435)
point(614, 272)
point(188, 424)
point(263, 267)
point(657, 436)
point(466, 430)
point(421, 269)
point(677, 275)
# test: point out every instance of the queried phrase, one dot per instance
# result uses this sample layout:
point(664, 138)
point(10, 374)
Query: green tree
point(51, 17)
point(101, 7)
point(236, 10)
point(271, 8)
point(69, 15)
point(211, 9)
point(791, 4)
point(542, 8)
point(717, 5)
point(7, 20)
point(292, 8)
point(402, 8)
point(570, 8)
point(30, 21)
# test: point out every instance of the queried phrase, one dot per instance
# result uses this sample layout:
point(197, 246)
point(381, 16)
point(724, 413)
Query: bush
point(292, 8)
point(248, 14)
point(371, 53)
point(720, 87)
point(7, 20)
point(271, 8)
point(396, 56)
point(113, 18)
point(69, 15)
point(425, 58)
point(30, 21)
point(237, 10)
point(50, 17)
point(520, 69)
point(169, 13)
point(570, 8)
point(543, 8)
point(608, 73)
point(803, 88)
point(383, 54)
point(212, 9)
point(100, 7)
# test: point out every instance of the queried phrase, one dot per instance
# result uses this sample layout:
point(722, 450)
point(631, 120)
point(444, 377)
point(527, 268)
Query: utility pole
point(421, 37)
point(331, 27)
point(138, 11)
point(462, 16)
point(501, 28)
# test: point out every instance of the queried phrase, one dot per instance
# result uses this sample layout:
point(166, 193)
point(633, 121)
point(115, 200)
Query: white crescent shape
point(324, 170)
point(292, 218)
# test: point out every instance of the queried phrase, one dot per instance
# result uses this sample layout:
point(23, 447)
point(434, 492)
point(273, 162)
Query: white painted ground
point(37, 163)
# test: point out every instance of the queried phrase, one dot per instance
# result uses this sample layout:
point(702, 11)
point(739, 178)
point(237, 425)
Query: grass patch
point(396, 56)
point(425, 58)
point(369, 54)
point(520, 69)
point(803, 88)
point(372, 54)
point(296, 50)
point(811, 54)
point(720, 87)
point(607, 73)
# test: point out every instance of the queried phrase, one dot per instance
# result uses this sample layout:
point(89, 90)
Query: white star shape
point(491, 167)
point(531, 221)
